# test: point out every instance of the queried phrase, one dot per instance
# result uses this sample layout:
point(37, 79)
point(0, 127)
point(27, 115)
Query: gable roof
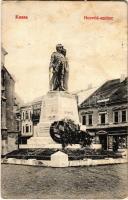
point(35, 101)
point(85, 94)
point(112, 91)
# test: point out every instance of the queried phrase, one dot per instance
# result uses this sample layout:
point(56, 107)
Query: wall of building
point(4, 138)
point(8, 116)
point(12, 141)
point(113, 130)
point(33, 109)
point(109, 110)
point(26, 121)
point(9, 93)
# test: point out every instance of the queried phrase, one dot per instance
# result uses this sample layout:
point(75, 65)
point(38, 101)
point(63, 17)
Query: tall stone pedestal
point(56, 106)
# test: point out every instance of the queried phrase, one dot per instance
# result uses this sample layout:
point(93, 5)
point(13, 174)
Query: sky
point(96, 49)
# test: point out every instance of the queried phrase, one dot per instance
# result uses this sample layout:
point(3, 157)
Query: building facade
point(3, 105)
point(30, 114)
point(10, 112)
point(36, 114)
point(26, 123)
point(105, 114)
point(8, 107)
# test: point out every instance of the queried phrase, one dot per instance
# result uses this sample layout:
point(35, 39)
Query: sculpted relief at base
point(58, 70)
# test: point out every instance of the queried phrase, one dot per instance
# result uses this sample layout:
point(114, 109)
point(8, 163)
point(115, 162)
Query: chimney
point(122, 78)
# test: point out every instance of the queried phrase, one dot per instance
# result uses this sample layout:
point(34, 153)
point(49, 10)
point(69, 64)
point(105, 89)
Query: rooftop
point(111, 91)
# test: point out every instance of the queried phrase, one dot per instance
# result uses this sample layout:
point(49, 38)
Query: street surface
point(104, 182)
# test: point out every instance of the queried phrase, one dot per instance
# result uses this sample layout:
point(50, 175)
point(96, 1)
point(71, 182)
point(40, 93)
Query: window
point(27, 128)
point(89, 119)
point(23, 116)
point(26, 115)
point(123, 119)
point(116, 117)
point(23, 129)
point(3, 78)
point(103, 118)
point(84, 120)
point(122, 142)
point(17, 126)
point(30, 128)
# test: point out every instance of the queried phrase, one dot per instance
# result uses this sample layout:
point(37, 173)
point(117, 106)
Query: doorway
point(103, 141)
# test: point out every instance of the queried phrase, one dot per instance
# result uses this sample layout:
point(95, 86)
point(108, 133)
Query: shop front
point(117, 141)
point(102, 138)
point(112, 139)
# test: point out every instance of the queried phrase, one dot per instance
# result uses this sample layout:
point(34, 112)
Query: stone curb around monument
point(75, 163)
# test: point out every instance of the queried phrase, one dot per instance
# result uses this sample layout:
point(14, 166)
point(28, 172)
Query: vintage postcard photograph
point(64, 100)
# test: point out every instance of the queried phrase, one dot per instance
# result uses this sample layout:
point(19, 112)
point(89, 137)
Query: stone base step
point(42, 146)
point(48, 146)
point(40, 140)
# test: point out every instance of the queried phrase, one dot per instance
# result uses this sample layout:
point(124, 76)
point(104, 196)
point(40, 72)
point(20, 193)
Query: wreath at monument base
point(67, 132)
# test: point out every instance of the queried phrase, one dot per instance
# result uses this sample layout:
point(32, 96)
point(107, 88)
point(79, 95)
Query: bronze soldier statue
point(57, 69)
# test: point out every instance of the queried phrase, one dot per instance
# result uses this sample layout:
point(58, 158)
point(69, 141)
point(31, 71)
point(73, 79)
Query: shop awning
point(101, 132)
point(120, 134)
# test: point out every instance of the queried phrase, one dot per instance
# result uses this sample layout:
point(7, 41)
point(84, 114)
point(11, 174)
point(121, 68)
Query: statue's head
point(59, 47)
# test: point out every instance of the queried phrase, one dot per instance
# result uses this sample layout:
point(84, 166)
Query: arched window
point(23, 129)
point(30, 128)
point(84, 120)
point(26, 115)
point(23, 116)
point(27, 128)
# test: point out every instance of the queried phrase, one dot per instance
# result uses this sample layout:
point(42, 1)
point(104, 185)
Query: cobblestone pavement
point(104, 182)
